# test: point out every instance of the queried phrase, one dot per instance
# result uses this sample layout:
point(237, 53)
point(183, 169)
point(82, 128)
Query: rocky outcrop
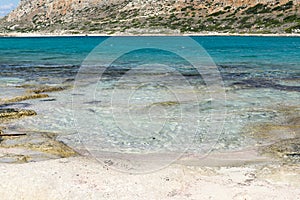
point(145, 16)
point(46, 89)
point(34, 147)
point(44, 142)
point(22, 145)
point(23, 98)
point(288, 149)
point(11, 113)
point(281, 137)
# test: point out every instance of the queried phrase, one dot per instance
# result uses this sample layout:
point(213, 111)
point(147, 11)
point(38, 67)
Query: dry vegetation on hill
point(152, 16)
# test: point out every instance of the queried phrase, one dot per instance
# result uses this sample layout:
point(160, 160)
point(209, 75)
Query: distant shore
point(146, 34)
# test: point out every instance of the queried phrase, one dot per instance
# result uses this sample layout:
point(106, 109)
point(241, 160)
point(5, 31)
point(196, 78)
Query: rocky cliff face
point(153, 16)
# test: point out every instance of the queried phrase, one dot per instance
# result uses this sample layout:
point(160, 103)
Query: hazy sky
point(7, 5)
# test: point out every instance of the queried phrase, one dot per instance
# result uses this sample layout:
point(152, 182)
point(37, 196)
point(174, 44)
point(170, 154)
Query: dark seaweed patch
point(48, 100)
point(34, 72)
point(19, 105)
point(258, 83)
point(92, 102)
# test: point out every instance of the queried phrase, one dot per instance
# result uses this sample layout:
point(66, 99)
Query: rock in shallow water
point(263, 83)
point(281, 137)
point(47, 89)
point(12, 158)
point(11, 113)
point(288, 149)
point(23, 98)
point(45, 143)
point(33, 146)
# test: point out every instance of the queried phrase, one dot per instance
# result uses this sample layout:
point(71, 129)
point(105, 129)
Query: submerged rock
point(294, 121)
point(45, 100)
point(47, 89)
point(166, 103)
point(263, 83)
point(280, 139)
point(288, 149)
point(11, 113)
point(274, 132)
point(12, 158)
point(32, 146)
point(2, 128)
point(37, 88)
point(23, 98)
point(33, 92)
point(45, 143)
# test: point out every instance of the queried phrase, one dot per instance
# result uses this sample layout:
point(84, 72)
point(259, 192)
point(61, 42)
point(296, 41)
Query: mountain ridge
point(145, 16)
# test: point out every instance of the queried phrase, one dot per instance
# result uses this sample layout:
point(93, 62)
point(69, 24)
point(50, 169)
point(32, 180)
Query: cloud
point(6, 8)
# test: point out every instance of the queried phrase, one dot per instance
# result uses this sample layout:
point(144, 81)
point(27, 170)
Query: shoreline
point(33, 35)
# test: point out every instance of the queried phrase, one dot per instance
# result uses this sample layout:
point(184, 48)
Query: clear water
point(135, 112)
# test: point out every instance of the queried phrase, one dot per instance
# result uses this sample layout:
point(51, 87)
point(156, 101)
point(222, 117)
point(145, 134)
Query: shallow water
point(151, 100)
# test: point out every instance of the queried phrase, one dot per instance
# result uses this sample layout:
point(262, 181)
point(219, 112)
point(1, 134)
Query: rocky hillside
point(153, 16)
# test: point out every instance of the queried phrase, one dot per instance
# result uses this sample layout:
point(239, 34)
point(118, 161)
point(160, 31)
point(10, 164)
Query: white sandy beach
point(83, 178)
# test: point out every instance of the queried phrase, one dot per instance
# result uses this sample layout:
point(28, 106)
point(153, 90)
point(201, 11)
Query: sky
point(7, 5)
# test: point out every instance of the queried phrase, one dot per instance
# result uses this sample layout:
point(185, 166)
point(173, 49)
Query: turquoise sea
point(140, 106)
point(264, 55)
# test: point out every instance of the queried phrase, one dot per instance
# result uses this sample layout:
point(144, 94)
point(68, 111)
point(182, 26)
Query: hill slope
point(152, 16)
